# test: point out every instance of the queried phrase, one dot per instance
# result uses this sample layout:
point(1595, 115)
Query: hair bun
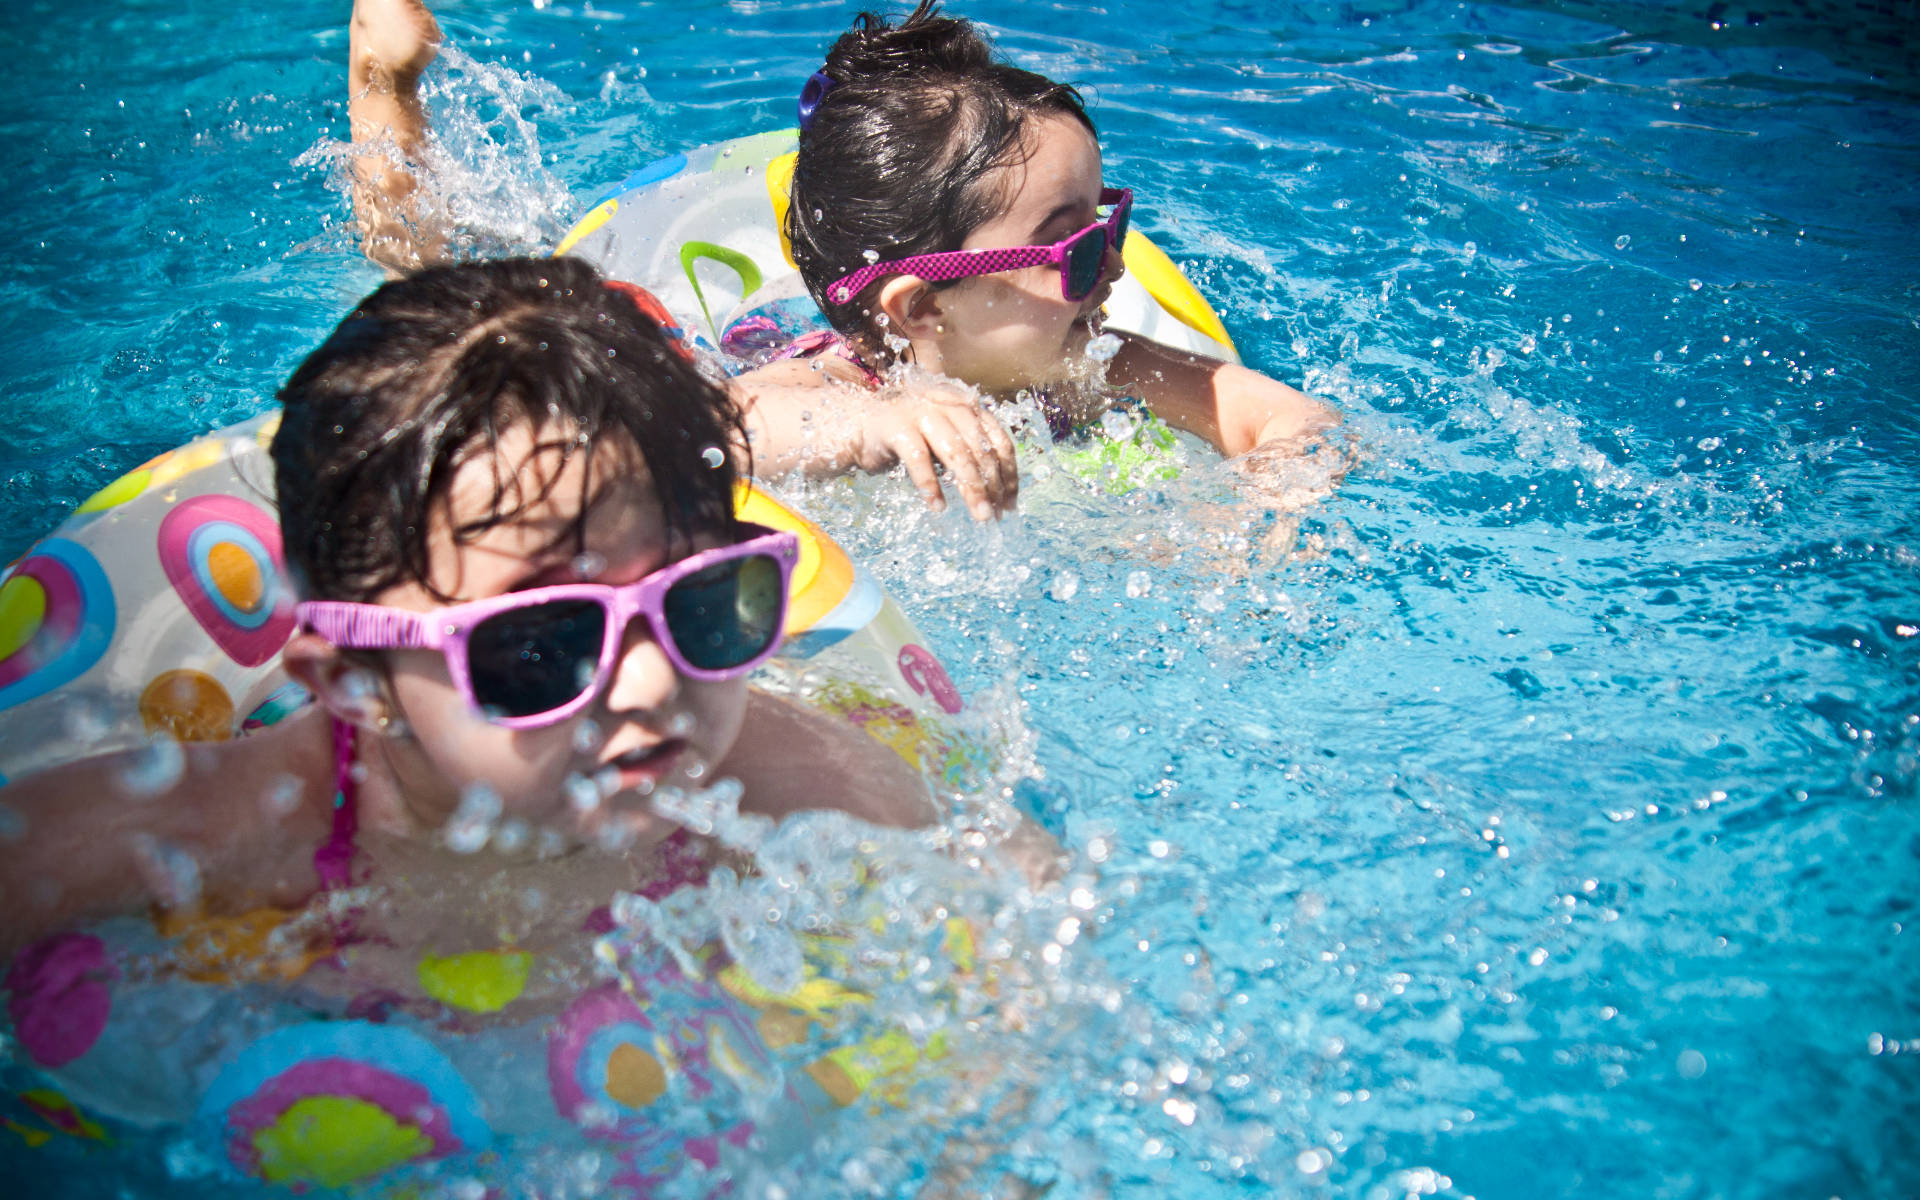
point(924, 42)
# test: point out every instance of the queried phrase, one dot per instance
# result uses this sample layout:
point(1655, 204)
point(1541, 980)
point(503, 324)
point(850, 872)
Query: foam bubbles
point(471, 825)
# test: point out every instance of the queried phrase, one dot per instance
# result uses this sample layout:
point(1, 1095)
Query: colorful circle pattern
point(57, 618)
point(222, 556)
point(610, 1060)
point(337, 1102)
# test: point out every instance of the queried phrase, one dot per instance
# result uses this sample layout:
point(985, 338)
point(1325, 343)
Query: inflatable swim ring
point(156, 612)
point(705, 231)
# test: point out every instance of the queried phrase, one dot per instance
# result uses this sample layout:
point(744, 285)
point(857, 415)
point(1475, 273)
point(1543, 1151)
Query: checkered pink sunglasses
point(1082, 258)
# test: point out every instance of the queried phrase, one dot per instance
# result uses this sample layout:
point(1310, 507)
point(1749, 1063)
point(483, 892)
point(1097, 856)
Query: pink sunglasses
point(1082, 258)
point(533, 658)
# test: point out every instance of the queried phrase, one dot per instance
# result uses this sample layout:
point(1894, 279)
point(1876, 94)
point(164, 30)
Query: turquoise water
point(1533, 817)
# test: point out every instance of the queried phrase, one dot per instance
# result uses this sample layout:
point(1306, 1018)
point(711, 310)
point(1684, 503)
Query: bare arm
point(818, 416)
point(390, 42)
point(1231, 406)
point(116, 834)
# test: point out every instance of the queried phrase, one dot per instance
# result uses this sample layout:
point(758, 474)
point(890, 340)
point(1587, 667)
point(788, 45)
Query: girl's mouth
point(639, 770)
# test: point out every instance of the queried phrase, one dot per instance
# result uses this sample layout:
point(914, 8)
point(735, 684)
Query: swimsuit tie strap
point(333, 861)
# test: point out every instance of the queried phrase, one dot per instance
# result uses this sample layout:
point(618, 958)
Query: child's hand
point(948, 427)
point(1292, 474)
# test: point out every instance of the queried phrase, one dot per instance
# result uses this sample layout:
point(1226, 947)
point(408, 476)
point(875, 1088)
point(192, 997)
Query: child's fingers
point(909, 448)
point(979, 436)
point(953, 447)
point(1000, 478)
point(1000, 446)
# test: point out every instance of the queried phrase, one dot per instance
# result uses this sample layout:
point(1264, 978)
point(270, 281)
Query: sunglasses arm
point(366, 626)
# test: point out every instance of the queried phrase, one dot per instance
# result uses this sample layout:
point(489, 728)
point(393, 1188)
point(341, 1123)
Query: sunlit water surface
point(1535, 816)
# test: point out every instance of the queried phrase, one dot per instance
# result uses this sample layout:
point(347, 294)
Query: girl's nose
point(1115, 266)
point(644, 678)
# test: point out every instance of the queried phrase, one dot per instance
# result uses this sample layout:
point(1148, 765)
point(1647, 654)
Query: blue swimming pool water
point(1536, 816)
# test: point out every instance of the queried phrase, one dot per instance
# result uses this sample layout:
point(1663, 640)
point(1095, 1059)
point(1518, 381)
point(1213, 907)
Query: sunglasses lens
point(1086, 262)
point(728, 614)
point(1120, 226)
point(534, 660)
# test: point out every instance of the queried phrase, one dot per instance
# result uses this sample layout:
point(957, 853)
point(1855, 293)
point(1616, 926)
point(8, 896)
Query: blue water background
point(1541, 822)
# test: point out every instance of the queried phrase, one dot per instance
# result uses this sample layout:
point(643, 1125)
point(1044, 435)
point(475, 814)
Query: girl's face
point(647, 727)
point(1014, 330)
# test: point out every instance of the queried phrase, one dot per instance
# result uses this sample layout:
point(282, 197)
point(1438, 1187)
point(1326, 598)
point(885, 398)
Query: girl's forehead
point(539, 500)
point(1060, 166)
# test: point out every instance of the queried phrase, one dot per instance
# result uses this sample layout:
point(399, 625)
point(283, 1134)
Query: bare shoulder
point(791, 758)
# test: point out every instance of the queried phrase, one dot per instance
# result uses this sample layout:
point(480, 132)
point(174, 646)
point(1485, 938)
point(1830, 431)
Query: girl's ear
point(349, 690)
point(912, 307)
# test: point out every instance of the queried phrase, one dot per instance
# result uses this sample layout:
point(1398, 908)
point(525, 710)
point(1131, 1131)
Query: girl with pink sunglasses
point(951, 219)
point(528, 602)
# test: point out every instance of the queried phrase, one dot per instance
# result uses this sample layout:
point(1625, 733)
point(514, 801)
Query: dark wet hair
point(897, 157)
point(431, 370)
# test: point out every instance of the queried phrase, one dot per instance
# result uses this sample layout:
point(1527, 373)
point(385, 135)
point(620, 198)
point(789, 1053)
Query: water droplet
point(1103, 347)
point(86, 720)
point(588, 737)
point(282, 796)
point(1708, 444)
point(1694, 285)
point(1314, 1161)
point(1065, 586)
point(1139, 583)
point(472, 823)
point(172, 874)
point(714, 457)
point(512, 836)
point(582, 793)
point(156, 768)
point(589, 564)
point(1622, 242)
point(768, 953)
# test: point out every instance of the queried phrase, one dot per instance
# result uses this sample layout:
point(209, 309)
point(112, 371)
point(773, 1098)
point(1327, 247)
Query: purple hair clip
point(818, 85)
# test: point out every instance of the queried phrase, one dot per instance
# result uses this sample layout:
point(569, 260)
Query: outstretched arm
point(390, 42)
point(1229, 405)
point(117, 834)
point(802, 415)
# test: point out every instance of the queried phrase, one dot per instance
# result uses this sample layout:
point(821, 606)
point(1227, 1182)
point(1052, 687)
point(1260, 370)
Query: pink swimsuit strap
point(333, 861)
